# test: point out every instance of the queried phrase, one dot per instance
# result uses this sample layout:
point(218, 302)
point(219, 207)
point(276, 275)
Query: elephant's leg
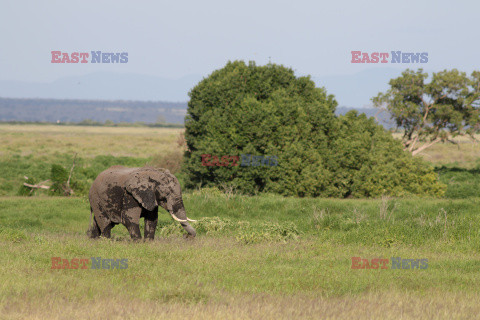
point(134, 230)
point(103, 222)
point(151, 219)
point(131, 216)
point(106, 231)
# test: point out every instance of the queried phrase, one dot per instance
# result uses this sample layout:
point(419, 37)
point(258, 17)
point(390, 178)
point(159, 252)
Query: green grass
point(297, 248)
point(382, 222)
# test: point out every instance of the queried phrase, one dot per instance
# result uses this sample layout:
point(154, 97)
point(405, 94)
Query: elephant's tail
point(90, 224)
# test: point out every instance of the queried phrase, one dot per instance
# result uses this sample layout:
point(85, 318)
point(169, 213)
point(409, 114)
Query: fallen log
point(40, 185)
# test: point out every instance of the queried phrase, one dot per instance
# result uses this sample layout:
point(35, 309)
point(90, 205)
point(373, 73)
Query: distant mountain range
point(382, 117)
point(133, 97)
point(64, 110)
point(353, 91)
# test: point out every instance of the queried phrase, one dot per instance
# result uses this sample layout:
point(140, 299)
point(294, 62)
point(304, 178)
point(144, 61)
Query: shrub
point(26, 191)
point(261, 111)
point(213, 225)
point(366, 161)
point(462, 183)
point(59, 177)
point(246, 232)
point(166, 229)
point(268, 232)
point(267, 110)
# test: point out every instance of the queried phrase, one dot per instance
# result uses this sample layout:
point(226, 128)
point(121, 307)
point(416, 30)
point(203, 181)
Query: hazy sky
point(177, 38)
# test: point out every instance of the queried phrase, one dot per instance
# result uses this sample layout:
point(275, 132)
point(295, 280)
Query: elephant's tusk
point(191, 220)
point(175, 218)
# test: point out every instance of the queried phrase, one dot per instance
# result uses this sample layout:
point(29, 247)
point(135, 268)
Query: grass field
point(464, 153)
point(47, 140)
point(262, 257)
point(237, 269)
point(30, 150)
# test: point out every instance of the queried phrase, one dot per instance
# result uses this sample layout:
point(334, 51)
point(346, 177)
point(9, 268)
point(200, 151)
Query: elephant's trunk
point(191, 231)
point(178, 213)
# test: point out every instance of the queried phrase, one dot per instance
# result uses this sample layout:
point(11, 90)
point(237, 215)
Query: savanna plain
point(254, 257)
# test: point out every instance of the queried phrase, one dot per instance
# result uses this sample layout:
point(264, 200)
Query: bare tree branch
point(425, 146)
point(413, 143)
point(40, 185)
point(71, 171)
point(67, 190)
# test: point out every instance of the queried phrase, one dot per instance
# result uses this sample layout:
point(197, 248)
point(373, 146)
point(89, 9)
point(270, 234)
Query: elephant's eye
point(177, 206)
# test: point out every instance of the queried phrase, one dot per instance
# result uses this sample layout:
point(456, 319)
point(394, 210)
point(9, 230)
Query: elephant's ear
point(166, 189)
point(142, 188)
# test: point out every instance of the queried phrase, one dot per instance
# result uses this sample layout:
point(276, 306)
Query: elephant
point(124, 195)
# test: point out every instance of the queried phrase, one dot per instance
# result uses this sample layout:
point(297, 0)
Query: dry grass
point(146, 142)
point(374, 305)
point(86, 141)
point(466, 152)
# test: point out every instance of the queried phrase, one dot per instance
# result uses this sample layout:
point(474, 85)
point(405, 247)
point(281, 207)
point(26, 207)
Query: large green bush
point(267, 110)
point(366, 161)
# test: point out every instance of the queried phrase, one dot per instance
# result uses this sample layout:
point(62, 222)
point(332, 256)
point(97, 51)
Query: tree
point(432, 112)
point(268, 111)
